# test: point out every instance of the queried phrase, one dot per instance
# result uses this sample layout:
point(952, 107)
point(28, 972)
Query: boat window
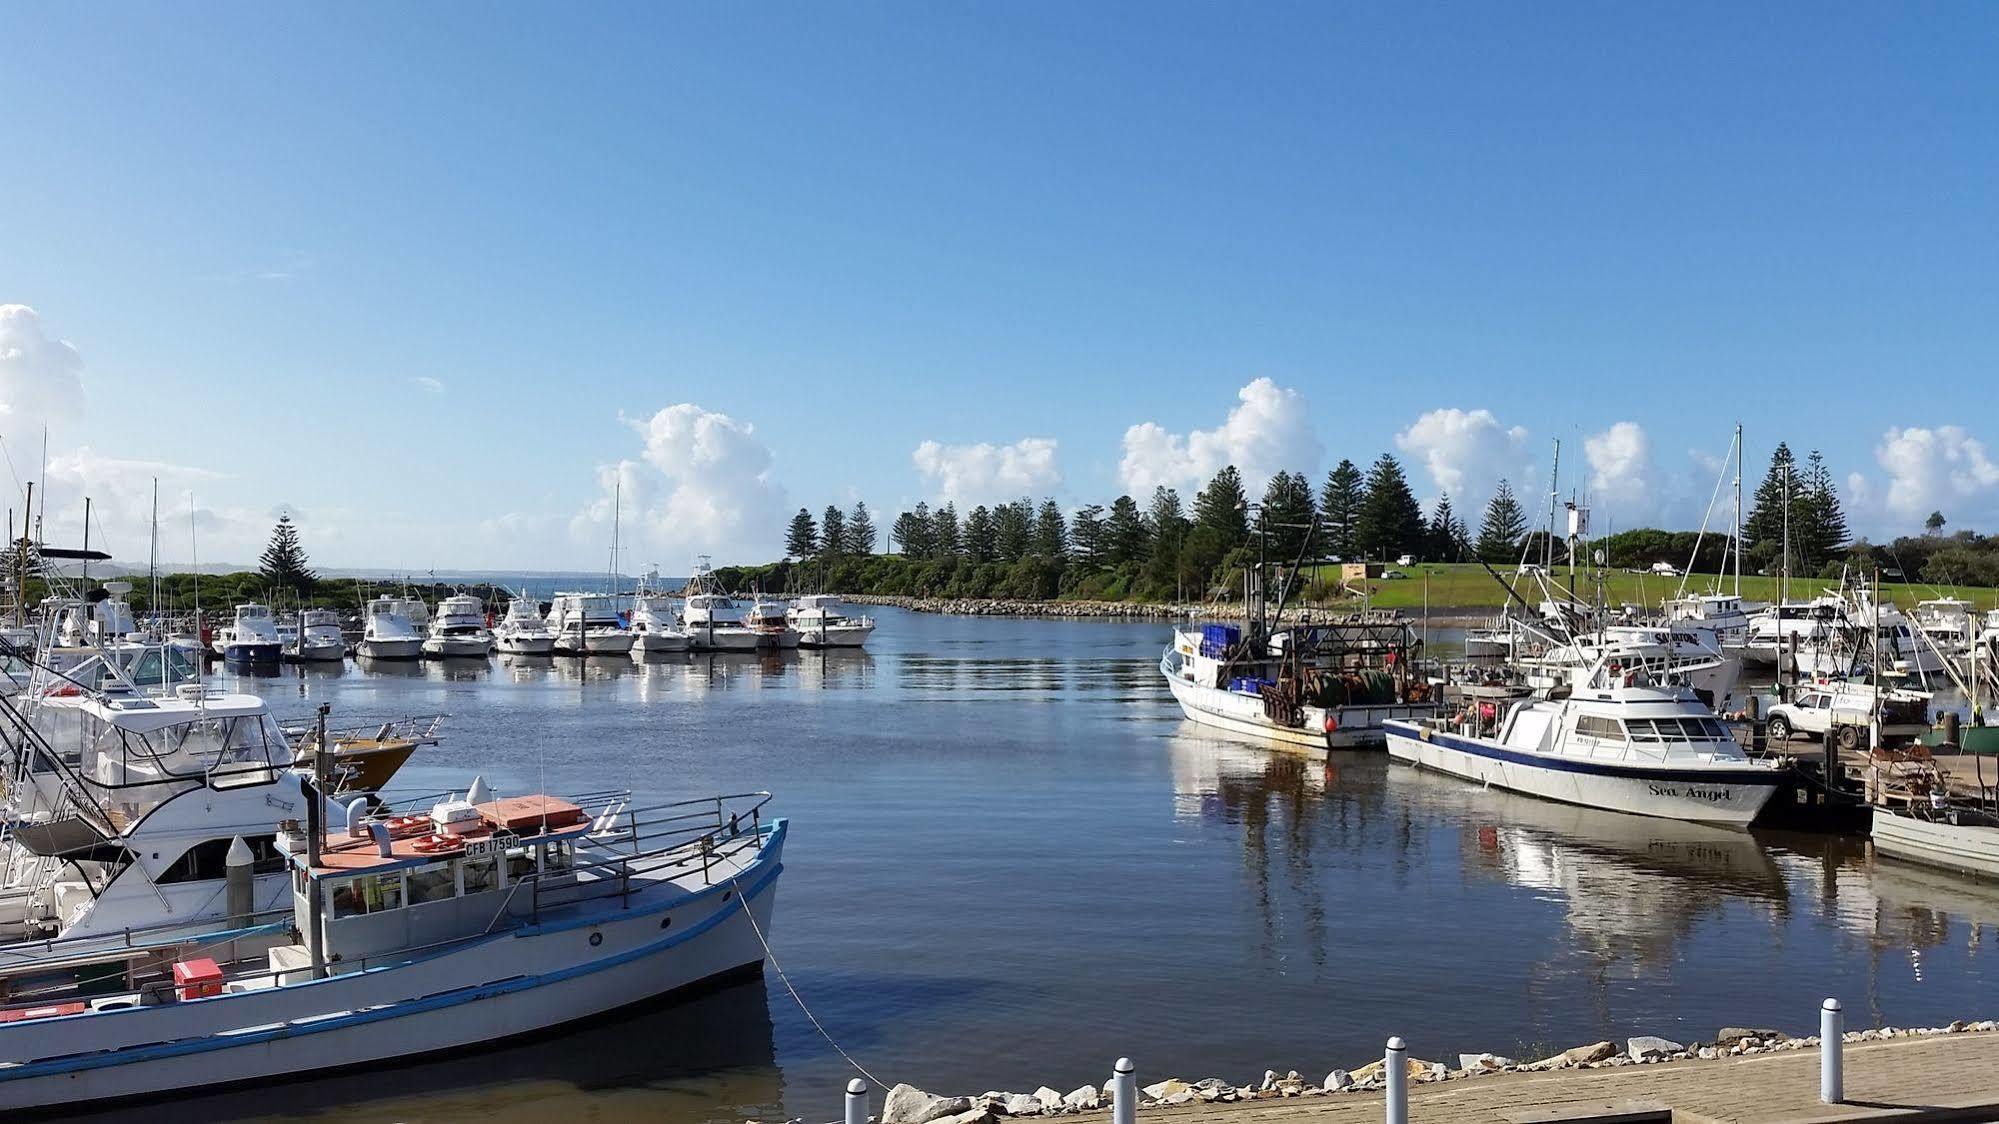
point(370, 893)
point(210, 859)
point(520, 864)
point(431, 883)
point(482, 874)
point(557, 856)
point(1594, 726)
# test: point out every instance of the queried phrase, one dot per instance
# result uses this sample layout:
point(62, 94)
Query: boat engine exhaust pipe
point(239, 872)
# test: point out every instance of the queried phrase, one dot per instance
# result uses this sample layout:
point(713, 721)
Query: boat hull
point(723, 640)
point(508, 986)
point(658, 644)
point(325, 652)
point(457, 647)
point(835, 636)
point(1353, 727)
point(524, 645)
point(259, 651)
point(376, 649)
point(608, 645)
point(1731, 796)
point(1965, 848)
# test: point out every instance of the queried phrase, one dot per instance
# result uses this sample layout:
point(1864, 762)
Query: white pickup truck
point(1842, 711)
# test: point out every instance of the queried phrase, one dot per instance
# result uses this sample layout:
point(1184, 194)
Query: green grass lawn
point(1468, 586)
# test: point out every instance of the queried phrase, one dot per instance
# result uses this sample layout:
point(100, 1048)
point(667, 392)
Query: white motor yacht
point(459, 629)
point(1613, 740)
point(654, 629)
point(387, 633)
point(251, 638)
point(523, 632)
point(588, 624)
point(772, 625)
point(822, 622)
point(713, 620)
point(317, 638)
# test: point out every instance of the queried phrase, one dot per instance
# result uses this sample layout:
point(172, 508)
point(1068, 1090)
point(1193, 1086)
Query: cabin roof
point(535, 818)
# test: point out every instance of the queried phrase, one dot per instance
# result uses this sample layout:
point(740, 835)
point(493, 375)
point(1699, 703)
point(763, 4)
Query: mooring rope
point(735, 880)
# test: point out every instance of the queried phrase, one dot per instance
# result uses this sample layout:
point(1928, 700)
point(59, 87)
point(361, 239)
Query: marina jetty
point(1746, 1074)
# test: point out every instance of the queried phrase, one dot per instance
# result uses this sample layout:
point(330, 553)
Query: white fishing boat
point(317, 638)
point(1669, 654)
point(655, 630)
point(523, 632)
point(418, 930)
point(588, 624)
point(387, 632)
point(252, 637)
point(771, 622)
point(459, 630)
point(1953, 837)
point(711, 618)
point(821, 621)
point(1613, 741)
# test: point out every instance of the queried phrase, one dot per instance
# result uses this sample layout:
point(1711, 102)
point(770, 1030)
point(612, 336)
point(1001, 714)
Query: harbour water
point(1012, 861)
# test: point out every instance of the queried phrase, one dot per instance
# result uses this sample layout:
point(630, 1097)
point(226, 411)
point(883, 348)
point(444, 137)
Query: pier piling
point(1395, 1068)
point(1832, 1076)
point(857, 1102)
point(1124, 1092)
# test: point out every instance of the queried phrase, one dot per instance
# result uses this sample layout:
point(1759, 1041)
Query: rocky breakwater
point(1027, 607)
point(907, 1104)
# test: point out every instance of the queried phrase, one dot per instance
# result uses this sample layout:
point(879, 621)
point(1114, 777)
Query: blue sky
point(433, 277)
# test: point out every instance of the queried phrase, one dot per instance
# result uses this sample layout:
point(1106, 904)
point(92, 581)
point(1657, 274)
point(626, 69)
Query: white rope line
point(734, 880)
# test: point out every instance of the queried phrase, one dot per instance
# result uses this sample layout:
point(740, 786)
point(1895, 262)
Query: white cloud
point(1620, 482)
point(40, 377)
point(700, 485)
point(1466, 452)
point(429, 385)
point(1268, 431)
point(1929, 469)
point(967, 475)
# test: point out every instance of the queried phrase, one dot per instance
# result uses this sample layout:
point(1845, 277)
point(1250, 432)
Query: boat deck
point(1941, 1077)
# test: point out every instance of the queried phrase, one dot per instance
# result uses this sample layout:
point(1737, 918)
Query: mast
point(1554, 499)
point(153, 560)
point(86, 543)
point(1784, 571)
point(1738, 510)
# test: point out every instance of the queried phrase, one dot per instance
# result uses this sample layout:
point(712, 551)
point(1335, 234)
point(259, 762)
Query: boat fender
point(1332, 723)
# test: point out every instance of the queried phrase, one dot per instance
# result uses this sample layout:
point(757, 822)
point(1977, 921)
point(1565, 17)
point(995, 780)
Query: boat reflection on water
point(521, 668)
point(671, 1063)
point(390, 669)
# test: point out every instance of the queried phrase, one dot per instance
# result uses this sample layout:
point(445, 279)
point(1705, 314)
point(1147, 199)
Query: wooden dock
point(1936, 1078)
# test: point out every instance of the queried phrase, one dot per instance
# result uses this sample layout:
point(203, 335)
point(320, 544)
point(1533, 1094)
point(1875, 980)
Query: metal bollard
point(1832, 1074)
point(857, 1101)
point(1124, 1092)
point(1395, 1067)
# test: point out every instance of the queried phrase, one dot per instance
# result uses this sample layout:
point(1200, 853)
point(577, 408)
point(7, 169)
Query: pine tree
point(923, 533)
point(1391, 521)
point(802, 539)
point(1339, 509)
point(860, 530)
point(833, 533)
point(1764, 527)
point(284, 561)
point(1934, 525)
point(944, 531)
point(1223, 509)
point(1504, 526)
point(1819, 514)
point(1086, 533)
point(981, 539)
point(1015, 524)
point(1447, 535)
point(1288, 507)
point(1124, 532)
point(1051, 532)
point(1166, 532)
point(907, 533)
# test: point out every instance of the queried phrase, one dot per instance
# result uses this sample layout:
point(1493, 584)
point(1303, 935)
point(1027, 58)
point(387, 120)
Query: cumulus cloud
point(1620, 465)
point(1931, 468)
point(429, 385)
point(40, 377)
point(701, 484)
point(1466, 452)
point(967, 475)
point(1268, 431)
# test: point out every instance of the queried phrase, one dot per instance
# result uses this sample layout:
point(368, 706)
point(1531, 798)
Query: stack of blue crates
point(1217, 639)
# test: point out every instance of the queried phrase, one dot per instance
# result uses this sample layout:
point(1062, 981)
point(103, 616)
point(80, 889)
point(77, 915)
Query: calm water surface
point(1012, 861)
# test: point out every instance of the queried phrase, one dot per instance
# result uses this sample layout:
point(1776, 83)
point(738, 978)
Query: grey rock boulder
point(1647, 1047)
point(1021, 1104)
point(1730, 1035)
point(1086, 1098)
point(1051, 1101)
point(907, 1104)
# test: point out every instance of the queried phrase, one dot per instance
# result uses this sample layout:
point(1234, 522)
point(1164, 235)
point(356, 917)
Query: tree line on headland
point(1167, 549)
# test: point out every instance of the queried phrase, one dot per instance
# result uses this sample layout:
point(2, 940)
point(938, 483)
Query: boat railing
point(420, 729)
point(158, 944)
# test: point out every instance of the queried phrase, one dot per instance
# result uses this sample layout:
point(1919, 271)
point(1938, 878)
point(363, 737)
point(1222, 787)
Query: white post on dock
point(857, 1102)
point(1832, 1074)
point(1395, 1068)
point(1124, 1092)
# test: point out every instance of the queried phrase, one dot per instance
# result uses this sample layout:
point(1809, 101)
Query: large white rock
point(1021, 1104)
point(1337, 1080)
point(1172, 1086)
point(1084, 1099)
point(907, 1104)
point(1648, 1047)
point(1051, 1101)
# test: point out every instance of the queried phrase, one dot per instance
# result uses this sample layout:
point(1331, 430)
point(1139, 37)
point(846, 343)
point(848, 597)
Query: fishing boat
point(459, 630)
point(523, 632)
point(1952, 837)
point(387, 633)
point(588, 624)
point(822, 622)
point(317, 638)
point(1611, 740)
point(252, 637)
point(654, 628)
point(770, 620)
point(712, 619)
point(410, 930)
